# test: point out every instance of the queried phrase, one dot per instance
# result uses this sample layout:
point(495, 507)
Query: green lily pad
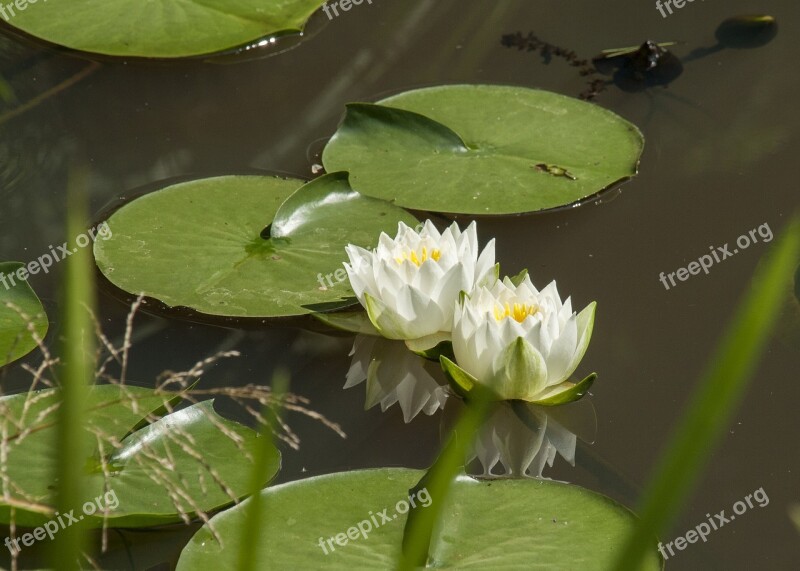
point(508, 524)
point(481, 149)
point(184, 462)
point(199, 244)
point(16, 301)
point(159, 28)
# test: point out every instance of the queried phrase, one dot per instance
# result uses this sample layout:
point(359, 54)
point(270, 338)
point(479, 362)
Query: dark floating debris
point(555, 170)
point(547, 51)
point(650, 64)
point(635, 69)
point(751, 31)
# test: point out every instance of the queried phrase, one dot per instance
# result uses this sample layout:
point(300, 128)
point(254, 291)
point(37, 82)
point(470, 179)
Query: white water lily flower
point(521, 342)
point(409, 284)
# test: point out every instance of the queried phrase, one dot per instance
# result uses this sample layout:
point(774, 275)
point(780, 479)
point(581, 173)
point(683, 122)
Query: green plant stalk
point(438, 480)
point(76, 373)
point(715, 399)
point(253, 523)
point(794, 514)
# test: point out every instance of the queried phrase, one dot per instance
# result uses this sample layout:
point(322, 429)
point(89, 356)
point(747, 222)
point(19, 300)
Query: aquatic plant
point(409, 284)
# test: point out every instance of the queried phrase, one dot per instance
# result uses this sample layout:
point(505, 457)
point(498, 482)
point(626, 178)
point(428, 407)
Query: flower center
point(518, 312)
point(422, 257)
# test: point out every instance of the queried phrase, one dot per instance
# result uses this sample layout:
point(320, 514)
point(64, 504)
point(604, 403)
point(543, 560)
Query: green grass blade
point(76, 373)
point(715, 399)
point(438, 479)
point(794, 514)
point(251, 532)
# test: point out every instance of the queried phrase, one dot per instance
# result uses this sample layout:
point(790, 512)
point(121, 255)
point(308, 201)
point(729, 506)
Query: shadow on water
point(155, 549)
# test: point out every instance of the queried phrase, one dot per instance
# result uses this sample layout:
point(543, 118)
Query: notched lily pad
point(189, 461)
point(501, 524)
point(481, 149)
point(160, 28)
point(21, 315)
point(244, 246)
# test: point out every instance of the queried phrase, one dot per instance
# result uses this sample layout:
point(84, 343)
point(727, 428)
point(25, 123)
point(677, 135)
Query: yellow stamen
point(420, 259)
point(519, 312)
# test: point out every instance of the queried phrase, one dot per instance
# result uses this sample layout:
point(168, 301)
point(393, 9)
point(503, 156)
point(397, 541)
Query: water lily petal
point(387, 322)
point(485, 269)
point(476, 357)
point(449, 287)
point(508, 330)
point(562, 352)
point(362, 354)
point(427, 277)
point(534, 334)
point(565, 312)
point(585, 324)
point(357, 282)
point(428, 314)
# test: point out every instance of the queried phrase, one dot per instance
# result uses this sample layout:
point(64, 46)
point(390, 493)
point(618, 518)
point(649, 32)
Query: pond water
point(720, 144)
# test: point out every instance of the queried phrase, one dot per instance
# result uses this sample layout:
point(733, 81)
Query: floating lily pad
point(508, 524)
point(205, 244)
point(480, 149)
point(182, 463)
point(17, 302)
point(159, 28)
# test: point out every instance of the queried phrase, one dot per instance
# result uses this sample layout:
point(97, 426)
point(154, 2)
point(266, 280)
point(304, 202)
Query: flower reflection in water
point(523, 439)
point(396, 375)
point(517, 439)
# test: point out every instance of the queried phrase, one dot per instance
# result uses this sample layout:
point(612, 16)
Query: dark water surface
point(720, 158)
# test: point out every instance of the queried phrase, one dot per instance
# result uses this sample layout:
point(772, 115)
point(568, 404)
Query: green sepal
point(350, 321)
point(566, 392)
point(443, 348)
point(523, 374)
point(519, 278)
point(460, 381)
